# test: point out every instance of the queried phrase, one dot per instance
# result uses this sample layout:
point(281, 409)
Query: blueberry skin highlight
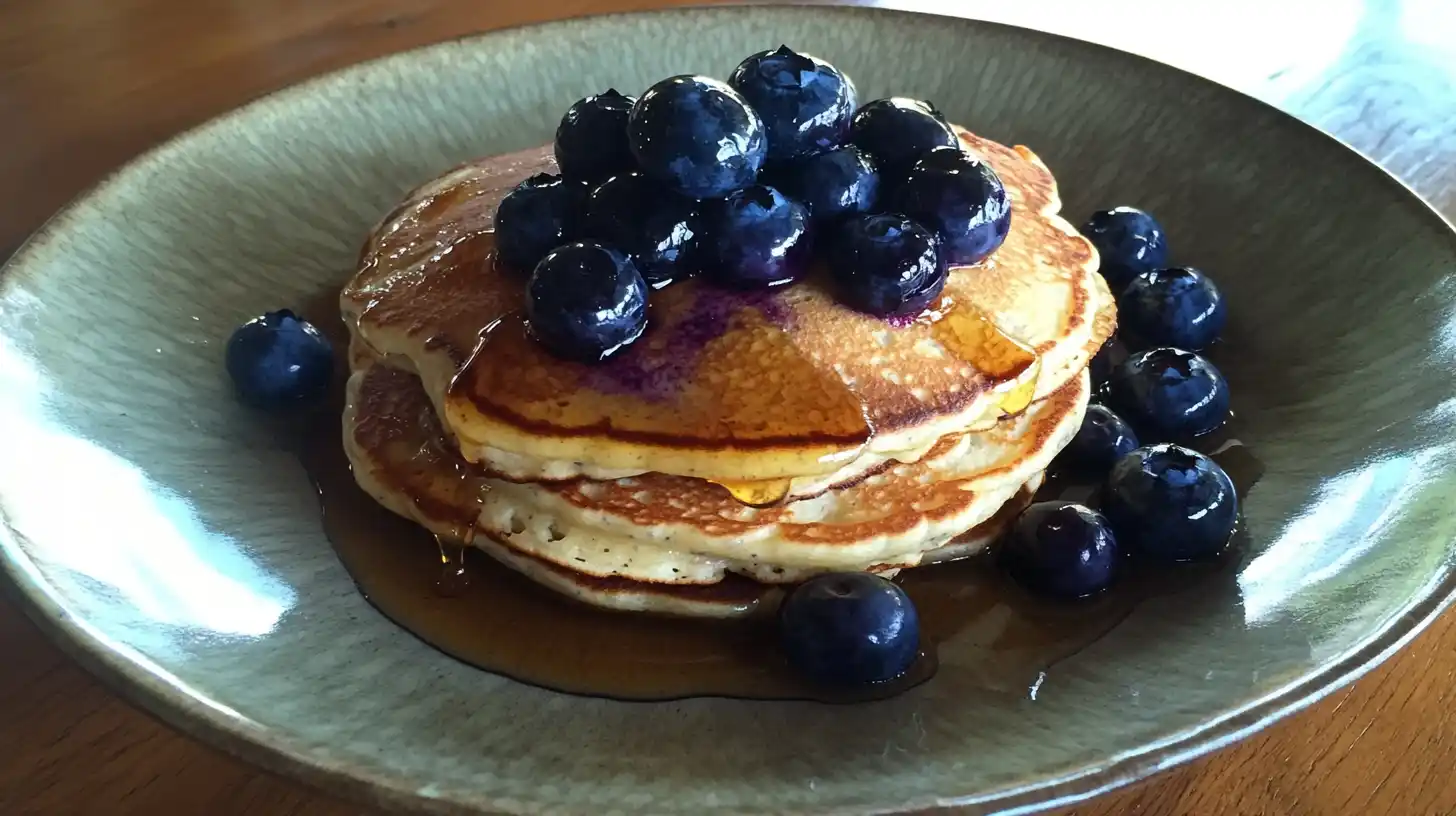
point(833, 185)
point(763, 239)
point(541, 213)
point(849, 629)
point(586, 302)
point(1169, 503)
point(279, 360)
point(591, 140)
point(1103, 439)
point(1168, 393)
point(898, 131)
point(1129, 242)
point(697, 135)
point(887, 265)
point(961, 198)
point(1178, 307)
point(805, 103)
point(1061, 550)
point(661, 230)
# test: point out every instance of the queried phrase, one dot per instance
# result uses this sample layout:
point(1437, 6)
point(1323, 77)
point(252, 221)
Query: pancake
point(401, 457)
point(679, 530)
point(734, 387)
point(889, 518)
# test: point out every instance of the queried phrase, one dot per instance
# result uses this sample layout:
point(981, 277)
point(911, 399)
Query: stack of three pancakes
point(748, 440)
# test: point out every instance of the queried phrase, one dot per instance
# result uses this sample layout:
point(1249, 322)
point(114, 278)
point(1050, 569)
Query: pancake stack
point(747, 441)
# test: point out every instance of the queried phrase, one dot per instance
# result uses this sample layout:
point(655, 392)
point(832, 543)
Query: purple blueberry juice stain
point(659, 377)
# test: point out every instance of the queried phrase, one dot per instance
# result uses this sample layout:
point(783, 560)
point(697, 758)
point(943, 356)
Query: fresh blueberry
point(1168, 393)
point(1103, 438)
point(697, 135)
point(591, 141)
point(960, 197)
point(586, 302)
point(279, 359)
point(1129, 241)
point(887, 265)
point(805, 102)
point(1170, 503)
point(898, 131)
point(832, 185)
point(659, 229)
point(1060, 549)
point(762, 238)
point(540, 214)
point(849, 629)
point(1173, 307)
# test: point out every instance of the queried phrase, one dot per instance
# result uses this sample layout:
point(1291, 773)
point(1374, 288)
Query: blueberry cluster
point(740, 181)
point(1161, 502)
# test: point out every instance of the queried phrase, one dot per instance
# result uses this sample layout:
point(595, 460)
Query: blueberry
point(698, 135)
point(832, 185)
point(887, 265)
point(586, 302)
point(805, 102)
point(898, 131)
point(659, 229)
point(1103, 438)
point(540, 214)
point(1129, 241)
point(279, 359)
point(762, 238)
point(849, 629)
point(1062, 550)
point(1171, 504)
point(591, 141)
point(961, 198)
point(1168, 393)
point(1173, 307)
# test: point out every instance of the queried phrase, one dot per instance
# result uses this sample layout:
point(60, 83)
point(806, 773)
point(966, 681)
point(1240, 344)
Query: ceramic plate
point(156, 531)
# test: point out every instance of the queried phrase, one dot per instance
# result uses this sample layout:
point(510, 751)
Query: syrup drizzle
point(452, 596)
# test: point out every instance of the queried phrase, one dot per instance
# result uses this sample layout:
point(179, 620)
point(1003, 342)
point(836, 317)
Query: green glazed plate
point(152, 527)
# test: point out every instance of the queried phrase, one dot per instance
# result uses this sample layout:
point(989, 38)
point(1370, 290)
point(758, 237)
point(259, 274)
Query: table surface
point(84, 85)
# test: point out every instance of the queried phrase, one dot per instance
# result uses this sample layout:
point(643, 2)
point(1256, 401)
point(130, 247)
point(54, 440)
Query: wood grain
point(84, 85)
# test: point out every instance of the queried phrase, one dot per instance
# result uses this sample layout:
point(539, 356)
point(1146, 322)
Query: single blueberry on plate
point(1103, 438)
point(1170, 503)
point(1173, 307)
point(659, 229)
point(805, 102)
point(1062, 550)
point(898, 131)
point(961, 198)
point(591, 141)
point(887, 265)
point(540, 214)
point(279, 359)
point(698, 135)
point(1168, 393)
point(849, 629)
point(761, 238)
point(832, 185)
point(586, 302)
point(1129, 243)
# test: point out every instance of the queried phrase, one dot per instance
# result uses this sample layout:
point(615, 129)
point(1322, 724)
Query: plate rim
point(164, 696)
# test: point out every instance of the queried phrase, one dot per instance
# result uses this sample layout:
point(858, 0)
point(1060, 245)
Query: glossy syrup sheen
point(474, 609)
point(481, 612)
point(728, 386)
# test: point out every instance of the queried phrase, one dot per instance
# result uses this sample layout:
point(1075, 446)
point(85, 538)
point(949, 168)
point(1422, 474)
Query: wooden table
point(86, 84)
